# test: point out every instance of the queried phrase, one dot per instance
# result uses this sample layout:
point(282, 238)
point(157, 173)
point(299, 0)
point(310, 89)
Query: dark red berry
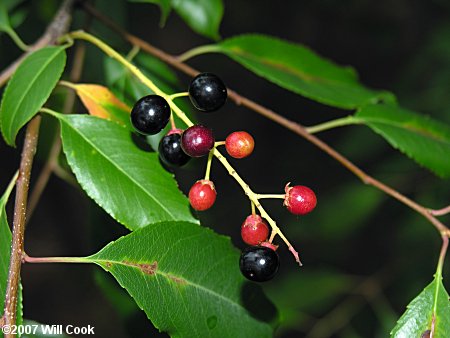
point(239, 144)
point(202, 195)
point(170, 151)
point(254, 230)
point(197, 141)
point(300, 200)
point(207, 92)
point(259, 263)
point(150, 114)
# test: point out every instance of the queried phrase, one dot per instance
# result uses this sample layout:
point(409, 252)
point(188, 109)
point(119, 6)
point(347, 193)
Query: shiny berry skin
point(239, 144)
point(170, 151)
point(207, 92)
point(254, 230)
point(150, 114)
point(300, 200)
point(259, 263)
point(197, 141)
point(202, 195)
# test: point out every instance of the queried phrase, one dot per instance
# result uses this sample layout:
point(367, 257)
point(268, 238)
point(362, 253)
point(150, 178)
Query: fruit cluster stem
point(173, 126)
point(280, 196)
point(208, 164)
point(254, 199)
point(174, 96)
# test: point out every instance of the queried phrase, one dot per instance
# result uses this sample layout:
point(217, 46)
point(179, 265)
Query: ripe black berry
point(207, 92)
point(150, 114)
point(170, 151)
point(197, 141)
point(259, 263)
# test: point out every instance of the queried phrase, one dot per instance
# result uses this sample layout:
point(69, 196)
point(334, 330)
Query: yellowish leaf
point(100, 101)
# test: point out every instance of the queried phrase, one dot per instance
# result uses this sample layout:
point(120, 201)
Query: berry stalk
point(208, 164)
point(254, 199)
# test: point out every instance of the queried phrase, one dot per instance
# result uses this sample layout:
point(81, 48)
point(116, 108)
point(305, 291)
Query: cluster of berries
point(260, 261)
point(207, 92)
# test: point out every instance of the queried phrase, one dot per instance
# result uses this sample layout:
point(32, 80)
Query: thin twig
point(57, 27)
point(23, 183)
point(270, 114)
point(440, 212)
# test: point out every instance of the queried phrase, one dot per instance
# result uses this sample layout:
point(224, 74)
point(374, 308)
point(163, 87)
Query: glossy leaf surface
point(423, 139)
point(433, 301)
point(187, 280)
point(299, 69)
point(126, 181)
point(203, 16)
point(29, 88)
point(101, 102)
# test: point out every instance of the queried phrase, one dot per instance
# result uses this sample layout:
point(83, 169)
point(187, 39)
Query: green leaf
point(18, 17)
point(203, 16)
point(126, 181)
point(164, 6)
point(10, 4)
point(101, 102)
point(186, 279)
point(297, 68)
point(432, 302)
point(5, 252)
point(423, 139)
point(29, 88)
point(117, 296)
point(5, 25)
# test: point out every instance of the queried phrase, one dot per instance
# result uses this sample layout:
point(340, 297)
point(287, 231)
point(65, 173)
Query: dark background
point(365, 255)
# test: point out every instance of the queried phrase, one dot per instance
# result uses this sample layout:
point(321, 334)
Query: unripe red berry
point(202, 195)
point(254, 230)
point(299, 200)
point(239, 144)
point(197, 141)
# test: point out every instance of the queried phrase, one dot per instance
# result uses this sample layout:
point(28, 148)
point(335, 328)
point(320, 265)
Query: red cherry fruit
point(239, 144)
point(197, 141)
point(202, 195)
point(254, 230)
point(299, 200)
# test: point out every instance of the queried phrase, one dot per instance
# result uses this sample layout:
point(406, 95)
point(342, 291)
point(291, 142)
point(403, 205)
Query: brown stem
point(57, 27)
point(270, 114)
point(20, 207)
